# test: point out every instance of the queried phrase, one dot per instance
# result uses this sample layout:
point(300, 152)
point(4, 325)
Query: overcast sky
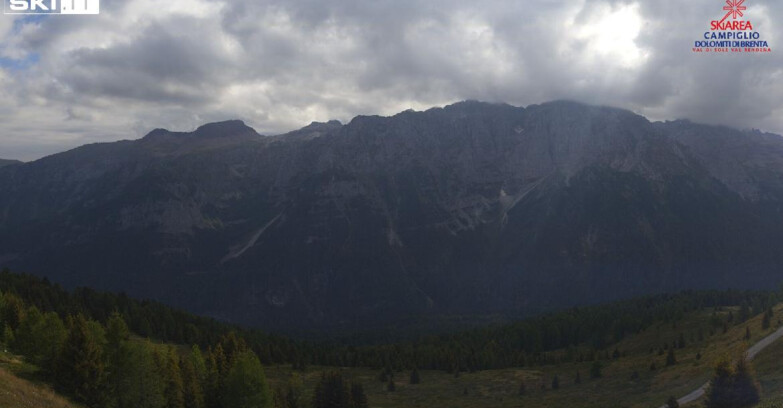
point(279, 65)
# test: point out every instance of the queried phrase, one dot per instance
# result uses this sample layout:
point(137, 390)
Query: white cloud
point(280, 64)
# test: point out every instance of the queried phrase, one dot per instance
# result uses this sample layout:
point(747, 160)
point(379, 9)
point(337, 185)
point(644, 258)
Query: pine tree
point(246, 385)
point(12, 312)
point(747, 333)
point(117, 333)
point(578, 378)
point(415, 378)
point(293, 395)
point(173, 388)
point(80, 367)
point(719, 393)
point(135, 381)
point(40, 337)
point(358, 398)
point(555, 383)
point(522, 388)
point(765, 323)
point(746, 392)
point(744, 311)
point(732, 388)
point(670, 358)
point(595, 370)
point(332, 392)
point(391, 387)
point(672, 403)
point(192, 391)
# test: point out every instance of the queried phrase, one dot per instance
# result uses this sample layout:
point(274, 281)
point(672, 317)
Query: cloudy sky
point(279, 65)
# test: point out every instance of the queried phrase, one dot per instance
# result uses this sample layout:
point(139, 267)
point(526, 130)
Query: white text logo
point(51, 6)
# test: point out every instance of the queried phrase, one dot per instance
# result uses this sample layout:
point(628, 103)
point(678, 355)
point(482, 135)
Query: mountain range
point(474, 209)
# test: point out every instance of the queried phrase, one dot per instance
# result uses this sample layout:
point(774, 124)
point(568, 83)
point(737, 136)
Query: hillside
point(669, 349)
point(16, 392)
point(617, 387)
point(483, 210)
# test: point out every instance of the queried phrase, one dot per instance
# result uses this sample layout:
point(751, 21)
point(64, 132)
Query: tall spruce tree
point(245, 384)
point(415, 378)
point(671, 359)
point(135, 379)
point(332, 391)
point(732, 388)
point(80, 367)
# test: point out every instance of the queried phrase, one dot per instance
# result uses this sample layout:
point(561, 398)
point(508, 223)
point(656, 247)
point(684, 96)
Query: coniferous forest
point(109, 350)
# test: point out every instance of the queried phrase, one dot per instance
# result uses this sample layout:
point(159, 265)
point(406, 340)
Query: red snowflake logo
point(734, 9)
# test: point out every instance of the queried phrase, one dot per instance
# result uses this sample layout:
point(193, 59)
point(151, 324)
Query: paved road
point(751, 353)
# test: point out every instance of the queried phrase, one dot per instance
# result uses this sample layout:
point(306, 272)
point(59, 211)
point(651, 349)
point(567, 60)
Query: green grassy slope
point(616, 388)
point(19, 392)
point(706, 343)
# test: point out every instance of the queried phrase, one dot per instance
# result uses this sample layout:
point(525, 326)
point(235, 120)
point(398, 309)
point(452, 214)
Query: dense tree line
point(101, 366)
point(578, 334)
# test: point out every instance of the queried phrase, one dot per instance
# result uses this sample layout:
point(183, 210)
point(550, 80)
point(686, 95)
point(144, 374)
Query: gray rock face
point(471, 209)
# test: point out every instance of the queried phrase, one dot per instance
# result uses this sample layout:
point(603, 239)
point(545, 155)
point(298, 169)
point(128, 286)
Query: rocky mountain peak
point(224, 129)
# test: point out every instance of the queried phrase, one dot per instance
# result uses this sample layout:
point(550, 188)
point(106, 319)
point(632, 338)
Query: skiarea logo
point(732, 33)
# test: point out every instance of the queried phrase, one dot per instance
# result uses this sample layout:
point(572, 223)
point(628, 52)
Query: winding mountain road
point(750, 354)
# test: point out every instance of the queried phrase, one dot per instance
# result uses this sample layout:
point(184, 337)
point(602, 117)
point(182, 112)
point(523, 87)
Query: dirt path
point(751, 353)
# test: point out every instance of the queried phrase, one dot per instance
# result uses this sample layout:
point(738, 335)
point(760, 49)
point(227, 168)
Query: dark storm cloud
point(281, 64)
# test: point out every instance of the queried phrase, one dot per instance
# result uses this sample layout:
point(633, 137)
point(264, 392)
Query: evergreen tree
point(522, 388)
point(415, 378)
point(746, 392)
point(765, 323)
point(595, 370)
point(199, 364)
point(117, 333)
point(578, 378)
point(732, 388)
point(40, 337)
point(135, 381)
point(80, 367)
point(8, 335)
point(672, 403)
point(174, 385)
point(12, 312)
point(246, 385)
point(332, 392)
point(391, 387)
point(747, 333)
point(719, 393)
point(358, 398)
point(294, 391)
point(192, 391)
point(744, 311)
point(670, 358)
point(555, 383)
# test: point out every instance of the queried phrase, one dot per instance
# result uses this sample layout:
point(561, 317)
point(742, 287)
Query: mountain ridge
point(473, 208)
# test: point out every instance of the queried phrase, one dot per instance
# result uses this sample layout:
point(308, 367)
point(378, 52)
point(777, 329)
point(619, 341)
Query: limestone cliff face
point(473, 209)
